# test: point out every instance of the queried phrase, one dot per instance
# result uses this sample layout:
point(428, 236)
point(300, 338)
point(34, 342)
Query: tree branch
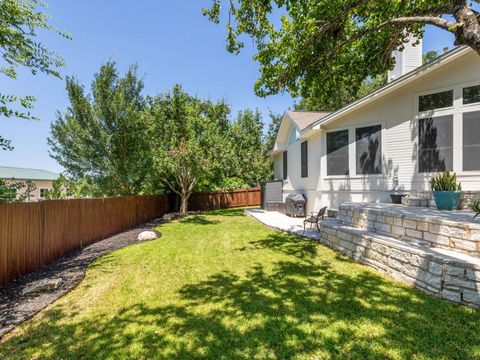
point(430, 20)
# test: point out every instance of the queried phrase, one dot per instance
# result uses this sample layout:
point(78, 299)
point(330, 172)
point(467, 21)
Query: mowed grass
point(222, 286)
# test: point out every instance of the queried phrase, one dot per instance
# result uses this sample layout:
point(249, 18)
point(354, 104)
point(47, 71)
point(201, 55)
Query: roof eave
point(394, 85)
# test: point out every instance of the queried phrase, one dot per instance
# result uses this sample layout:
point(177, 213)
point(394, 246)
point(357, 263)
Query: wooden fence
point(225, 199)
point(35, 234)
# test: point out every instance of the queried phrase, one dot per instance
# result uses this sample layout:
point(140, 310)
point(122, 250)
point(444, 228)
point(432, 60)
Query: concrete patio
point(280, 221)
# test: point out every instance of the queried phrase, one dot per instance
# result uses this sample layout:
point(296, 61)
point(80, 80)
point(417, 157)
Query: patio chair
point(315, 219)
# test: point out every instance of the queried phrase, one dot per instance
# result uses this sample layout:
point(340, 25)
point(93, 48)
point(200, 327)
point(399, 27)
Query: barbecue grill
point(295, 205)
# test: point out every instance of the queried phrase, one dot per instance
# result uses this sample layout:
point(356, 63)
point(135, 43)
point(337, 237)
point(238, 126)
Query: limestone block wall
point(465, 200)
point(458, 236)
point(444, 276)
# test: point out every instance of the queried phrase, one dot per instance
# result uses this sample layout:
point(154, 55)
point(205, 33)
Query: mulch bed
point(15, 308)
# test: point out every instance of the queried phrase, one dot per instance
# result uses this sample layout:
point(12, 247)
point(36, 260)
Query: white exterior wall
point(397, 114)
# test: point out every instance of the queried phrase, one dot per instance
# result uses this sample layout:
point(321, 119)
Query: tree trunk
point(184, 203)
point(469, 31)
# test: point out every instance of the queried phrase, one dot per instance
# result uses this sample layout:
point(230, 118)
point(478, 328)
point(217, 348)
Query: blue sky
point(170, 41)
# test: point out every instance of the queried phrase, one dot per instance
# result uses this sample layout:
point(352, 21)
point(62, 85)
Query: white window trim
point(297, 136)
point(333, 130)
point(352, 151)
point(457, 111)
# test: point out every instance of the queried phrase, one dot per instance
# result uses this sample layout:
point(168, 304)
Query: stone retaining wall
point(448, 235)
point(443, 276)
point(465, 200)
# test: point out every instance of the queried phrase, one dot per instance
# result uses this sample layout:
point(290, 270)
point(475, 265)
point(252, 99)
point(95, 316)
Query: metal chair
point(315, 219)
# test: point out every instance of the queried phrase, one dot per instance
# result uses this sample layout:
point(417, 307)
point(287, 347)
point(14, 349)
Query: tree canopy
point(116, 141)
point(102, 135)
point(320, 48)
point(20, 22)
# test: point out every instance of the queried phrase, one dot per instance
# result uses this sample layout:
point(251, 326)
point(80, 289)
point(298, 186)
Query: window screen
point(435, 144)
point(435, 101)
point(471, 95)
point(337, 153)
point(285, 165)
point(471, 141)
point(304, 159)
point(369, 149)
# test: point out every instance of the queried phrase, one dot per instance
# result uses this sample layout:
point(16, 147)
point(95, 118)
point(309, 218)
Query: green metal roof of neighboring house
point(7, 172)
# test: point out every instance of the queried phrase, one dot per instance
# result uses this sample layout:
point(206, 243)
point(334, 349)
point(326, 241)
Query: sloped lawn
point(222, 286)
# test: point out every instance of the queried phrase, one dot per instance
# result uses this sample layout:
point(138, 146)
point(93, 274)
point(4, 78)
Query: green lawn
point(222, 286)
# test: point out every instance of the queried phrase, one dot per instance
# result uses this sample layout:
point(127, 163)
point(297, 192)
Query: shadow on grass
point(303, 307)
point(199, 220)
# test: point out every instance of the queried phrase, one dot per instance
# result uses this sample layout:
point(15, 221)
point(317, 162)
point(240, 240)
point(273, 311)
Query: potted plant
point(446, 190)
point(475, 207)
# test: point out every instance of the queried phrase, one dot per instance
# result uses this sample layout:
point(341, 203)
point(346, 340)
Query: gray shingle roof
point(7, 172)
point(305, 118)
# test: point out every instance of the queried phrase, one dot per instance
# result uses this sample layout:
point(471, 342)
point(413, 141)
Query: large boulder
point(148, 235)
point(45, 285)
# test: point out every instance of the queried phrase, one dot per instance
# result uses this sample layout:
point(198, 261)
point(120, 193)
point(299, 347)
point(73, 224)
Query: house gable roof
point(390, 87)
point(296, 119)
point(303, 119)
point(17, 173)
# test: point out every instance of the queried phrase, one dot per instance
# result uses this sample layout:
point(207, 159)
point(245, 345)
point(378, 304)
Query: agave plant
point(475, 206)
point(445, 182)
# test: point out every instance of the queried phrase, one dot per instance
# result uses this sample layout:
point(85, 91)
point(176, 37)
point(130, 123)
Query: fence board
point(225, 199)
point(34, 234)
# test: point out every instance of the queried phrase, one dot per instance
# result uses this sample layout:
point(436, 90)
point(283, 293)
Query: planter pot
point(397, 198)
point(446, 200)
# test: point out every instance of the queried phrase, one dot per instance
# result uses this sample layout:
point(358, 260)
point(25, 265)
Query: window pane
point(471, 141)
point(304, 159)
point(285, 165)
point(471, 94)
point(337, 153)
point(435, 140)
point(292, 138)
point(435, 101)
point(369, 149)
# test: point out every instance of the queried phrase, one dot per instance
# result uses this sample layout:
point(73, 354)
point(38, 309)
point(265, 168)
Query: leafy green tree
point(429, 56)
point(103, 136)
point(20, 22)
point(187, 141)
point(343, 97)
point(61, 187)
point(250, 159)
point(15, 191)
point(272, 130)
point(321, 49)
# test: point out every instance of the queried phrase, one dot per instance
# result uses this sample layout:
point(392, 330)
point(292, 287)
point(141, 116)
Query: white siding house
point(423, 121)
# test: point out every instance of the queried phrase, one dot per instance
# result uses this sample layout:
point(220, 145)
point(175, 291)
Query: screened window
point(293, 137)
point(369, 150)
point(435, 144)
point(337, 153)
point(304, 159)
point(43, 192)
point(285, 165)
point(471, 141)
point(435, 101)
point(471, 94)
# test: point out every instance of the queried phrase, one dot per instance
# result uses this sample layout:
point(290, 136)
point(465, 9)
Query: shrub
point(445, 182)
point(475, 206)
